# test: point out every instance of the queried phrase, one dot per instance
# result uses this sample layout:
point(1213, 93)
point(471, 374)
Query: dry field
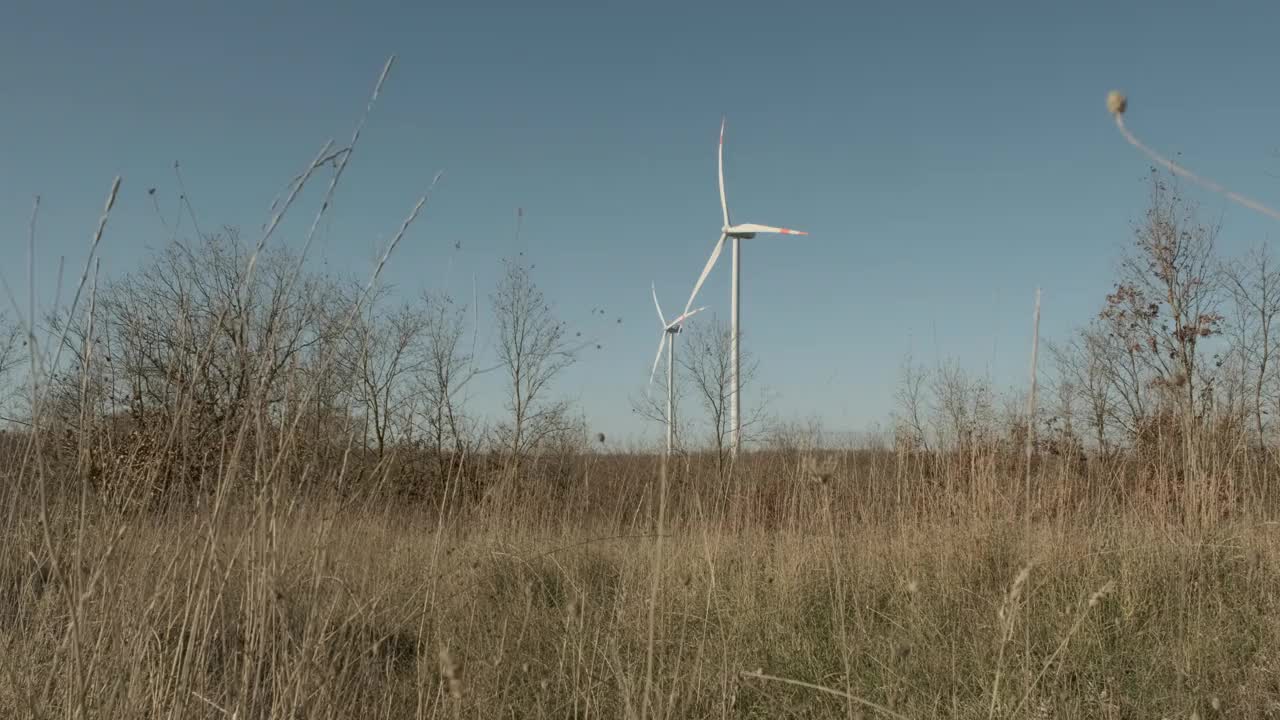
point(766, 596)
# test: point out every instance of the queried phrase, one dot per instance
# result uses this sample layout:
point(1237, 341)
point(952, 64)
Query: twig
point(88, 263)
point(208, 702)
point(345, 154)
point(1031, 418)
point(758, 675)
point(186, 200)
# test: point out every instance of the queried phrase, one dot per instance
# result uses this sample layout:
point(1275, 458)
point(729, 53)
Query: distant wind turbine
point(737, 233)
point(668, 339)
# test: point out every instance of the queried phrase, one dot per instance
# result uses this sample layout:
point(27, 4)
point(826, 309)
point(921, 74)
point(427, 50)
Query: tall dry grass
point(316, 608)
point(894, 584)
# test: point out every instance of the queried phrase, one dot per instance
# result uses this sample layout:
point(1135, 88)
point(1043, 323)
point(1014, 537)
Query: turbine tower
point(668, 338)
point(738, 233)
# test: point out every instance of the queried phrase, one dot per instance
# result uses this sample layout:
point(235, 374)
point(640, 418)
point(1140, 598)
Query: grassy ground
point(312, 611)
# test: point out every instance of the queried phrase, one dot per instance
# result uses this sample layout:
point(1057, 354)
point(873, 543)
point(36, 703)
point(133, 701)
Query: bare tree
point(911, 400)
point(1254, 286)
point(328, 370)
point(705, 358)
point(184, 350)
point(1084, 369)
point(1167, 299)
point(651, 403)
point(446, 370)
point(533, 349)
point(1060, 426)
point(184, 326)
point(387, 351)
point(1117, 352)
point(963, 406)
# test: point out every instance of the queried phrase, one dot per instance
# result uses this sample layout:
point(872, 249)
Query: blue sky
point(946, 158)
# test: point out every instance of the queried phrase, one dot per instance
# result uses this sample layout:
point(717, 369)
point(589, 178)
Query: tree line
point(207, 346)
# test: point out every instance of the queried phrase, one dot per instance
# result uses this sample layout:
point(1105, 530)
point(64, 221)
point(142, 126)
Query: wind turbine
point(668, 339)
point(737, 233)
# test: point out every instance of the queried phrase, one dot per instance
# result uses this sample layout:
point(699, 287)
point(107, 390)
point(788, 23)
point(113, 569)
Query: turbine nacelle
point(750, 230)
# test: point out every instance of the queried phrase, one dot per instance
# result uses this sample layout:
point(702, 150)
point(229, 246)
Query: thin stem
point(758, 675)
point(1177, 169)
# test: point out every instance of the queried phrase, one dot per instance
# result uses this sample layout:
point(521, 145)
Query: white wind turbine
point(737, 233)
point(668, 339)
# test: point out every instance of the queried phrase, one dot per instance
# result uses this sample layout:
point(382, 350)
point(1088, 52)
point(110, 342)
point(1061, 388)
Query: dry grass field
point(766, 595)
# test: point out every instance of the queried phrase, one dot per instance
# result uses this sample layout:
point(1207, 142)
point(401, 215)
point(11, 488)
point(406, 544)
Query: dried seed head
point(451, 673)
point(1102, 592)
point(1016, 590)
point(1116, 102)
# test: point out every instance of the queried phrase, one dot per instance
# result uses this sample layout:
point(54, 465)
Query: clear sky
point(946, 157)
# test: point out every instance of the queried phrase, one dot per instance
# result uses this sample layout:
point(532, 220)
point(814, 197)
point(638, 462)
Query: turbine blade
point(724, 204)
point(661, 344)
point(691, 313)
point(680, 320)
point(655, 304)
point(711, 262)
point(753, 228)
